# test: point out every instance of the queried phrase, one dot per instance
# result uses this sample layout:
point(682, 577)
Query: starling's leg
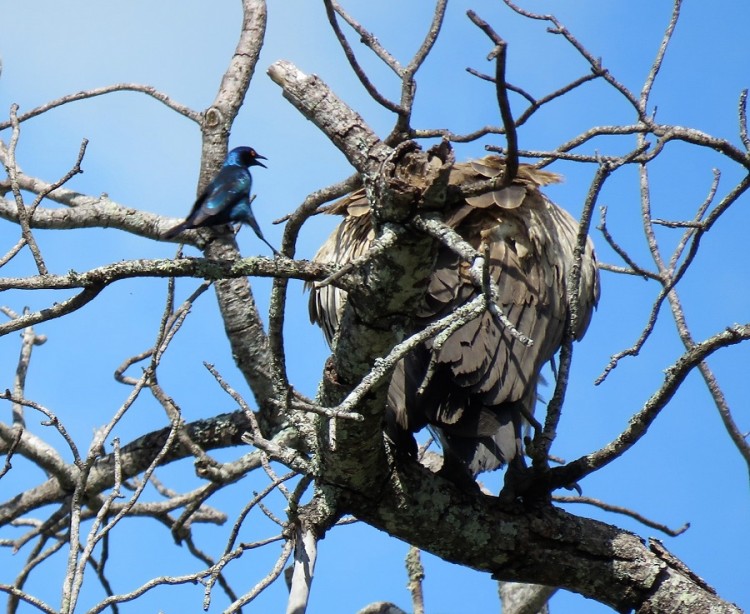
point(254, 225)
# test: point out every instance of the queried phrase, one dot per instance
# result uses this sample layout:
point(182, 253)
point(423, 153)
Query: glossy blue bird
point(227, 198)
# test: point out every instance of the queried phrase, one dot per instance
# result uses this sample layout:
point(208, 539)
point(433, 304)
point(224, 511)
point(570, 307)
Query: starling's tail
point(174, 231)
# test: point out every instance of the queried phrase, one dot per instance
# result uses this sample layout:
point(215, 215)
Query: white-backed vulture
point(485, 379)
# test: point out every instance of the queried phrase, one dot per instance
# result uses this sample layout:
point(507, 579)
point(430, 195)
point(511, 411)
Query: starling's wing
point(227, 189)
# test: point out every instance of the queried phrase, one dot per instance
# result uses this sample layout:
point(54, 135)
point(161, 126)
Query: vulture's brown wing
point(485, 379)
point(350, 240)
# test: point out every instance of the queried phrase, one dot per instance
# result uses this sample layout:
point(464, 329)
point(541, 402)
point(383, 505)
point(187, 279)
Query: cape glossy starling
point(226, 199)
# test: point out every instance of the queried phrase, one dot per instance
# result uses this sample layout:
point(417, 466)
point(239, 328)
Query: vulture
point(483, 382)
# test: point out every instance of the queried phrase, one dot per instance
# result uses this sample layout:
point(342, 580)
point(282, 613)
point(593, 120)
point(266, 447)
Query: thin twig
point(75, 170)
point(11, 168)
point(659, 59)
point(55, 311)
point(619, 250)
point(543, 439)
point(668, 277)
point(209, 561)
point(277, 303)
point(643, 418)
point(742, 112)
point(384, 242)
point(12, 252)
point(451, 239)
point(474, 310)
point(368, 39)
point(643, 153)
point(501, 89)
point(36, 557)
point(75, 582)
point(289, 457)
point(30, 599)
point(118, 87)
point(539, 103)
point(696, 227)
point(52, 420)
point(192, 578)
point(625, 511)
point(230, 552)
point(612, 268)
point(384, 366)
point(28, 340)
point(332, 8)
point(453, 137)
point(402, 129)
point(304, 405)
point(275, 572)
point(595, 63)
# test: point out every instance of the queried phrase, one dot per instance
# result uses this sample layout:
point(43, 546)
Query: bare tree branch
point(101, 91)
point(525, 598)
point(618, 509)
point(596, 65)
point(659, 59)
point(501, 88)
point(305, 555)
point(23, 213)
point(643, 418)
point(332, 8)
point(415, 572)
point(346, 129)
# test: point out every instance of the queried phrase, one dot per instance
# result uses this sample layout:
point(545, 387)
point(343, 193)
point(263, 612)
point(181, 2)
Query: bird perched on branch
point(226, 198)
point(476, 390)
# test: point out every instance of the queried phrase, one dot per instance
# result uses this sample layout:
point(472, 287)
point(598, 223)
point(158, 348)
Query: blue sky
point(145, 156)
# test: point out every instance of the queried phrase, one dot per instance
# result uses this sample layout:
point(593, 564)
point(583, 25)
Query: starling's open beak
point(257, 159)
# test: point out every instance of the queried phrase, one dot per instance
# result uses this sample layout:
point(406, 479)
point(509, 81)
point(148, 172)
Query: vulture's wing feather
point(348, 242)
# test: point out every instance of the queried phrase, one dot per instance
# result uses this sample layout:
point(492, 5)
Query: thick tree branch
point(242, 322)
point(548, 546)
point(94, 281)
point(345, 128)
point(539, 545)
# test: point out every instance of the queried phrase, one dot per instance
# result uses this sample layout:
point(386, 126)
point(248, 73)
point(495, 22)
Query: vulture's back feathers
point(485, 379)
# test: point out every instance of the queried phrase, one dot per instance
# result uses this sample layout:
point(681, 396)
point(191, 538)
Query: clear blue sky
point(145, 156)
